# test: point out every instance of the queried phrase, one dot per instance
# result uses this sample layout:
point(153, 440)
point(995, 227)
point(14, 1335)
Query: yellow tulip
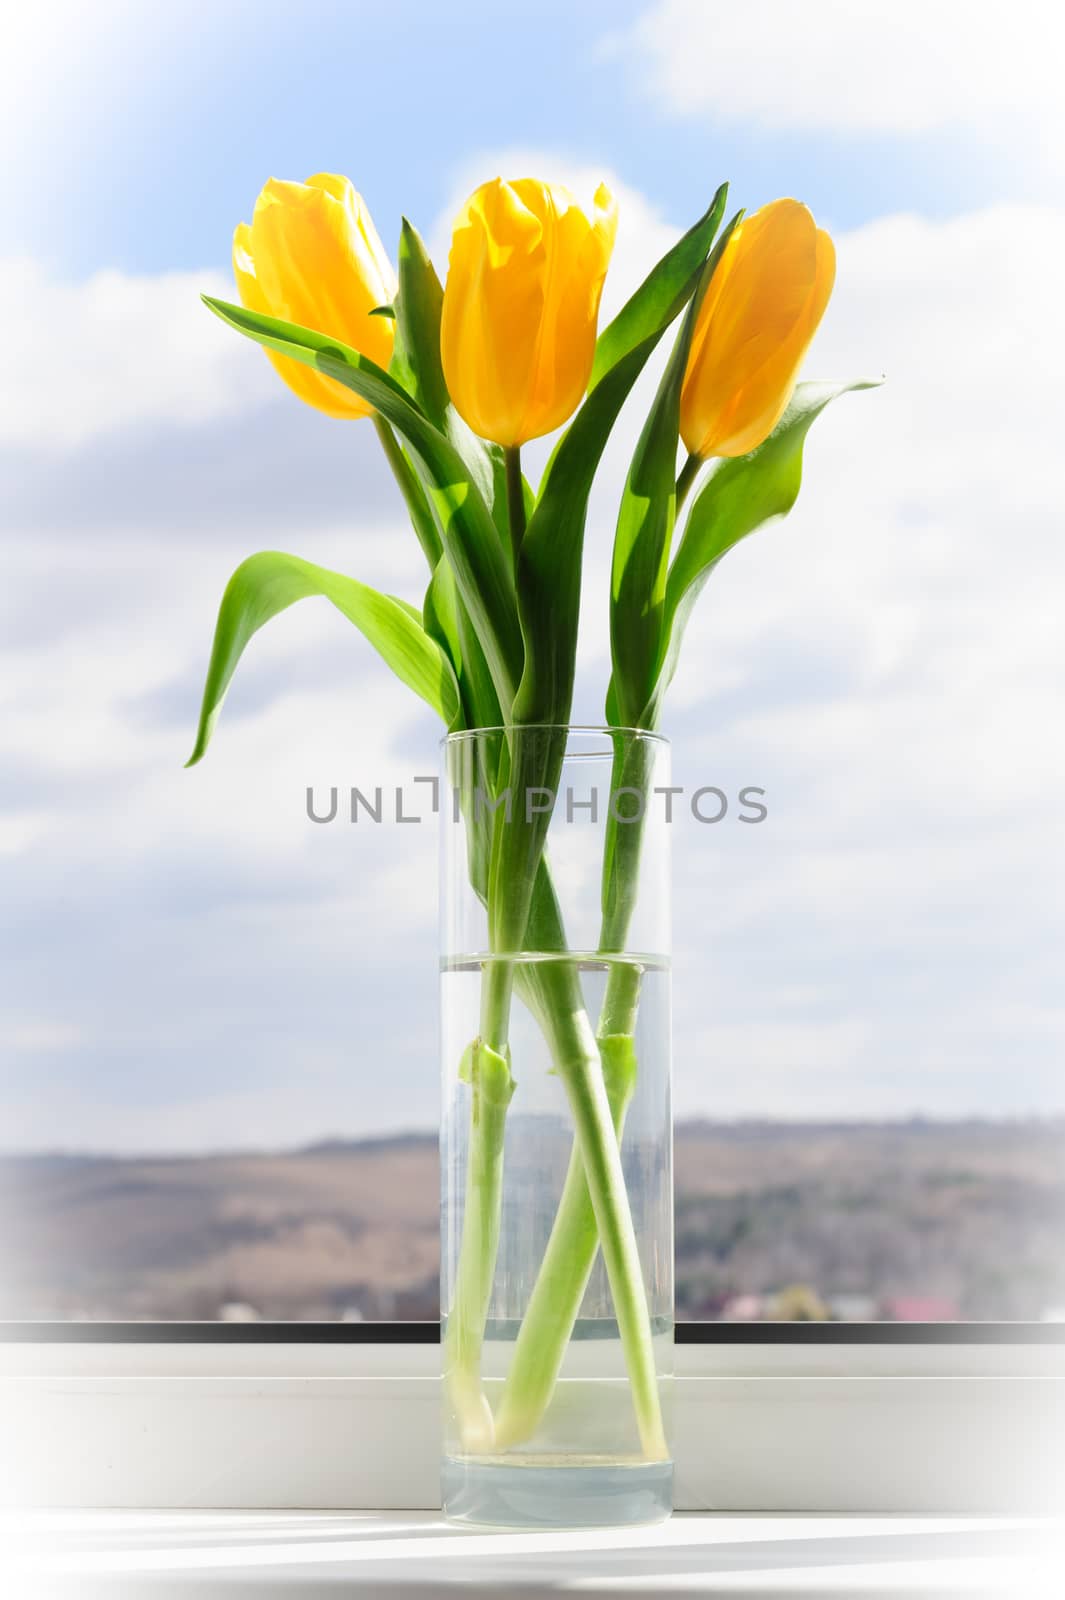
point(312, 255)
point(521, 303)
point(760, 312)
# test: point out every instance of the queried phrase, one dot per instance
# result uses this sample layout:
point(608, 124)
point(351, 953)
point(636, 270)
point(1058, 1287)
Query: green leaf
point(739, 496)
point(470, 538)
point(549, 577)
point(440, 615)
point(645, 525)
point(447, 622)
point(549, 568)
point(416, 352)
point(549, 563)
point(410, 486)
point(270, 582)
point(663, 293)
point(388, 311)
point(416, 363)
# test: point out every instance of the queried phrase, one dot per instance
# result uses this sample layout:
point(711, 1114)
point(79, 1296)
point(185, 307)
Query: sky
point(186, 962)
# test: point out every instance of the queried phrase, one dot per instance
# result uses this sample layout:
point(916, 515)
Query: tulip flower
point(521, 303)
point(312, 255)
point(760, 312)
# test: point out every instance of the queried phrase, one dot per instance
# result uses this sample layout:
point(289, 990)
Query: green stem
point(411, 489)
point(486, 1067)
point(688, 474)
point(515, 498)
point(581, 1070)
point(488, 1073)
point(497, 986)
point(617, 1019)
point(569, 1257)
point(563, 1277)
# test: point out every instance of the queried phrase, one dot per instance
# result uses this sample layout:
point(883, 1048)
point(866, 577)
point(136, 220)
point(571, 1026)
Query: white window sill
point(299, 1556)
point(948, 1431)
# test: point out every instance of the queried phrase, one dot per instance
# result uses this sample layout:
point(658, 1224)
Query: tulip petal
point(315, 266)
point(580, 258)
point(758, 317)
point(513, 216)
point(763, 399)
point(521, 304)
point(341, 188)
point(493, 305)
point(305, 384)
point(366, 241)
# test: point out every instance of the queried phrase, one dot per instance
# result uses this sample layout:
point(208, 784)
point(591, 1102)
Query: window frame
point(397, 1332)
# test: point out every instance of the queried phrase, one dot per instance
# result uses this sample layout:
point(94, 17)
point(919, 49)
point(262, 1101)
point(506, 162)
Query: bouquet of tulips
point(456, 379)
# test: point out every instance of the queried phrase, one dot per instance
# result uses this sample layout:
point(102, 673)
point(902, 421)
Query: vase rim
point(564, 727)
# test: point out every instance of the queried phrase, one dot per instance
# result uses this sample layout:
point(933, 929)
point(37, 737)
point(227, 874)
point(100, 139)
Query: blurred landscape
point(903, 1221)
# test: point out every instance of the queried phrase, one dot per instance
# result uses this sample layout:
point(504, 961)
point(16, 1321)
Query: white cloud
point(84, 359)
point(888, 661)
point(202, 964)
point(900, 653)
point(39, 1038)
point(18, 832)
point(877, 67)
point(929, 525)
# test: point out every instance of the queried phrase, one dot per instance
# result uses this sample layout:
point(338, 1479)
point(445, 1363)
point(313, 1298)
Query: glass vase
point(556, 1134)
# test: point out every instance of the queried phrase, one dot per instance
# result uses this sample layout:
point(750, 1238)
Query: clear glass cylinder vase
point(556, 1135)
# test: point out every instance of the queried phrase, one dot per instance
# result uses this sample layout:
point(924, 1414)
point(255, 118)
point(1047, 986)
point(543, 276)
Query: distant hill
point(906, 1218)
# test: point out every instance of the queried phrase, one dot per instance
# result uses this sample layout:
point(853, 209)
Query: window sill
point(859, 1429)
point(112, 1556)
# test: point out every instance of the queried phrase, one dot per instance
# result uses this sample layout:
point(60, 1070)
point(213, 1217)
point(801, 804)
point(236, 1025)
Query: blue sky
point(200, 107)
point(185, 962)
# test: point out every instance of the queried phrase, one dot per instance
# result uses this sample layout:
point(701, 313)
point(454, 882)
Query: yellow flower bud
point(312, 255)
point(521, 303)
point(760, 312)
